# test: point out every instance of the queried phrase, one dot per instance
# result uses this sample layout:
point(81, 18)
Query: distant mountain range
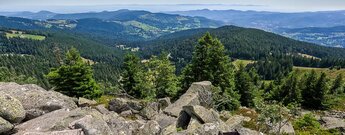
point(114, 24)
point(323, 28)
point(271, 20)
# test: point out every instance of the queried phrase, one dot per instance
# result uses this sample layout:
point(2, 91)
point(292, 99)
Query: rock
point(5, 126)
point(150, 128)
point(225, 115)
point(285, 129)
point(127, 113)
point(150, 111)
point(36, 100)
point(121, 104)
point(247, 131)
point(83, 102)
point(198, 94)
point(63, 132)
point(332, 123)
point(11, 109)
point(165, 120)
point(235, 121)
point(163, 103)
point(102, 109)
point(202, 114)
point(208, 129)
point(62, 119)
point(169, 130)
point(92, 126)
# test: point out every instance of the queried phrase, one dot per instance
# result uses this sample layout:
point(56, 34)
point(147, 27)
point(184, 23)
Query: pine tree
point(130, 75)
point(321, 90)
point(245, 87)
point(74, 77)
point(210, 62)
point(337, 85)
point(166, 82)
point(308, 89)
point(291, 92)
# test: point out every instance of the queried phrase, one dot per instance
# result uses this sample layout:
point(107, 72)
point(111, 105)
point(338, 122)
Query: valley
point(202, 72)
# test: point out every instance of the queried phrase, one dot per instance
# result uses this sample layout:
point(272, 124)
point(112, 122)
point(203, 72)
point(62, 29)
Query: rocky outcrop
point(122, 104)
point(11, 109)
point(198, 94)
point(36, 100)
point(59, 115)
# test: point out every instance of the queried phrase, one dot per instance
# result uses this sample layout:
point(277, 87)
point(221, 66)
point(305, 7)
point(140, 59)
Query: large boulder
point(202, 114)
point(36, 100)
point(150, 111)
point(58, 120)
point(5, 126)
point(122, 104)
point(11, 109)
point(164, 102)
point(150, 128)
point(63, 132)
point(235, 121)
point(332, 123)
point(92, 126)
point(198, 94)
point(208, 129)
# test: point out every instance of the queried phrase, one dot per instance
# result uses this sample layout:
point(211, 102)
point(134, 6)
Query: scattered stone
point(36, 100)
point(208, 129)
point(11, 109)
point(121, 104)
point(164, 102)
point(150, 111)
point(5, 126)
point(92, 126)
point(150, 128)
point(247, 131)
point(198, 94)
point(202, 114)
point(235, 121)
point(102, 109)
point(332, 123)
point(63, 132)
point(83, 102)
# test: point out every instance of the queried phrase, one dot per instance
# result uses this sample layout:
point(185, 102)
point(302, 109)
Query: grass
point(331, 73)
point(238, 62)
point(25, 36)
point(105, 99)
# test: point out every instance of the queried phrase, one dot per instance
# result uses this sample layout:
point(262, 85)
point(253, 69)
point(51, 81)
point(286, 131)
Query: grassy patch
point(105, 99)
point(238, 62)
point(331, 73)
point(25, 36)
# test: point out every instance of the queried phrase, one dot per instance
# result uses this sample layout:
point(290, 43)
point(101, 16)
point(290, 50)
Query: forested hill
point(244, 43)
point(115, 25)
point(34, 58)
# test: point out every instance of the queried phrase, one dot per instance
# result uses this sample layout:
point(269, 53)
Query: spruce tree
point(166, 82)
point(245, 87)
point(308, 89)
point(290, 91)
point(337, 86)
point(131, 75)
point(210, 63)
point(74, 77)
point(321, 90)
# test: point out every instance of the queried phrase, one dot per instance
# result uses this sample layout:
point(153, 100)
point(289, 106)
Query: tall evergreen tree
point(308, 89)
point(74, 77)
point(245, 87)
point(130, 75)
point(314, 90)
point(210, 62)
point(321, 90)
point(290, 91)
point(337, 86)
point(166, 82)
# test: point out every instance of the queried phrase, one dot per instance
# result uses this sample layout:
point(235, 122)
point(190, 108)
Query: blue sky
point(166, 5)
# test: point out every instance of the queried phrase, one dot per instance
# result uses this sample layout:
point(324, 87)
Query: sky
point(171, 5)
